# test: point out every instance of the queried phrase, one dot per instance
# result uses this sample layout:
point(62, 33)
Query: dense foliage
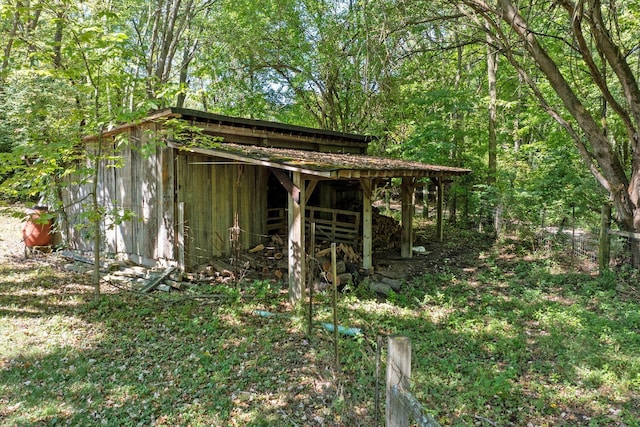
point(413, 73)
point(540, 100)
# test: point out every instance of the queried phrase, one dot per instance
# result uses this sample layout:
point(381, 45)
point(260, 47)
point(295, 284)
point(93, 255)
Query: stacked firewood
point(387, 232)
point(347, 267)
point(267, 261)
point(344, 252)
point(270, 258)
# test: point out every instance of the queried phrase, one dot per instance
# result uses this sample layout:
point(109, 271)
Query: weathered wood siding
point(213, 195)
point(137, 180)
point(76, 200)
point(146, 181)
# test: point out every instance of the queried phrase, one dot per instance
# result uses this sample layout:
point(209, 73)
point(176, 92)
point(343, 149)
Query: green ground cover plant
point(500, 336)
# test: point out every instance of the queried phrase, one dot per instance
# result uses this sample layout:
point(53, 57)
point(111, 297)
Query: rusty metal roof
point(202, 116)
point(256, 126)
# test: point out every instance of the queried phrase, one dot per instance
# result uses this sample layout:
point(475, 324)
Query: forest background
point(539, 98)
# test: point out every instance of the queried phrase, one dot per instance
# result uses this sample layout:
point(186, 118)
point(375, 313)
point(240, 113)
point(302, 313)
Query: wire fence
point(582, 247)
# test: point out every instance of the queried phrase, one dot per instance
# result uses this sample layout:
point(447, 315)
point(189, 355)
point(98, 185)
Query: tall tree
point(492, 71)
point(566, 41)
point(316, 61)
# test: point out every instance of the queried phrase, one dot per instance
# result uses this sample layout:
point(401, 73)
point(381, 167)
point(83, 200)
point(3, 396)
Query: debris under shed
point(265, 261)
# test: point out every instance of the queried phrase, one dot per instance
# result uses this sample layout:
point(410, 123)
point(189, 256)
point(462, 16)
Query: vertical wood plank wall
point(107, 196)
point(167, 212)
point(74, 199)
point(213, 195)
point(124, 180)
point(147, 197)
point(139, 181)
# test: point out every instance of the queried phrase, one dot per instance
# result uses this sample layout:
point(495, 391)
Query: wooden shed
point(176, 183)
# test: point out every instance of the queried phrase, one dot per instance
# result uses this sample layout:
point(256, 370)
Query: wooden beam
point(163, 114)
point(286, 182)
point(296, 241)
point(407, 217)
point(367, 223)
point(310, 188)
point(440, 210)
point(247, 159)
point(274, 135)
point(154, 282)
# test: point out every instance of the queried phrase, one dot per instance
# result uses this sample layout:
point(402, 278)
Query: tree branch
point(576, 11)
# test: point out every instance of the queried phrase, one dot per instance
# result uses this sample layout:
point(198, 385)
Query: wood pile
point(170, 279)
point(271, 261)
point(386, 232)
point(138, 278)
point(323, 273)
point(267, 260)
point(343, 251)
point(264, 261)
point(347, 267)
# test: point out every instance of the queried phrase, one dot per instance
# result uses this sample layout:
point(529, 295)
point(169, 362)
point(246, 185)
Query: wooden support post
point(407, 217)
point(398, 375)
point(296, 242)
point(311, 280)
point(367, 224)
point(181, 236)
point(440, 210)
point(334, 300)
point(425, 200)
point(605, 239)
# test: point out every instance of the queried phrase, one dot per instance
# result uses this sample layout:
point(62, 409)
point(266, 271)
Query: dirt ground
point(11, 246)
point(434, 256)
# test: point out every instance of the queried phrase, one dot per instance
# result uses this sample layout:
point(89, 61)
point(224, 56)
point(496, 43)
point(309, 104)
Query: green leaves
point(42, 123)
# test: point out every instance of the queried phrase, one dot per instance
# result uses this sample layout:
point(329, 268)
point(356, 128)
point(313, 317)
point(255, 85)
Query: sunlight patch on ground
point(29, 337)
point(437, 314)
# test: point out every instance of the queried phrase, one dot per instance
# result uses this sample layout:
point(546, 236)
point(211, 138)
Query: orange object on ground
point(36, 231)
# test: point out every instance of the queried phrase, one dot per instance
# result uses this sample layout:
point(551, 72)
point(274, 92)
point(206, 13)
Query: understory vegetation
point(539, 99)
point(500, 336)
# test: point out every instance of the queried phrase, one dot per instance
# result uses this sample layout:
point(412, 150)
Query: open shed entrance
point(332, 179)
point(335, 208)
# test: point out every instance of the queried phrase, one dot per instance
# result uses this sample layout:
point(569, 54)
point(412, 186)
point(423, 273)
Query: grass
point(497, 340)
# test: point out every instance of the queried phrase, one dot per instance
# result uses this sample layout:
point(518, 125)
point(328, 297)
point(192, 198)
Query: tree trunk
point(492, 69)
point(96, 217)
point(57, 40)
point(595, 148)
point(9, 46)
